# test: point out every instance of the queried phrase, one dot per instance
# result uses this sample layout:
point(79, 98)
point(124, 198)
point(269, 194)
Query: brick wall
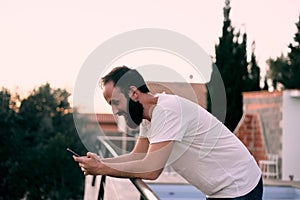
point(249, 131)
point(260, 128)
point(268, 105)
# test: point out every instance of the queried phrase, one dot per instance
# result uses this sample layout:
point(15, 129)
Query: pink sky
point(48, 41)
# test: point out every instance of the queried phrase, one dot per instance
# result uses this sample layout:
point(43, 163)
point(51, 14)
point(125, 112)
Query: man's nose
point(114, 110)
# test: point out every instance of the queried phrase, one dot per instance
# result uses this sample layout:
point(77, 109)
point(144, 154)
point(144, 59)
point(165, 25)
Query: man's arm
point(139, 152)
point(149, 167)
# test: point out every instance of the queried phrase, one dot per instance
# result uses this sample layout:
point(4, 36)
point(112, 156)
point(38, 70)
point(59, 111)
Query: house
point(260, 127)
point(270, 125)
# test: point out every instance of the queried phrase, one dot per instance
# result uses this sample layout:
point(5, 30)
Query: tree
point(254, 75)
point(294, 59)
point(228, 55)
point(278, 71)
point(237, 74)
point(38, 165)
point(286, 69)
point(7, 121)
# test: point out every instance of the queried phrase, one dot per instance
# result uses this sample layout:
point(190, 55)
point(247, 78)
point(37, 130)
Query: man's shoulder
point(167, 100)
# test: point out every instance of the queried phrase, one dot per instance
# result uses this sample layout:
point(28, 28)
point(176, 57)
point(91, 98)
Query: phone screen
point(74, 153)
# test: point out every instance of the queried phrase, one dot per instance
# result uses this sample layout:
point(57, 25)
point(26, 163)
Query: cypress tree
point(238, 75)
point(230, 54)
point(254, 72)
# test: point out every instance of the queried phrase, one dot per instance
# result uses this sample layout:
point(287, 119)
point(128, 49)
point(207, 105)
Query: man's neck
point(149, 102)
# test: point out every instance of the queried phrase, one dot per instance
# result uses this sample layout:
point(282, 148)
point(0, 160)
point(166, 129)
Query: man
point(175, 131)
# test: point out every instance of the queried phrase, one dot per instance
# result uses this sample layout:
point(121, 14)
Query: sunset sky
point(48, 41)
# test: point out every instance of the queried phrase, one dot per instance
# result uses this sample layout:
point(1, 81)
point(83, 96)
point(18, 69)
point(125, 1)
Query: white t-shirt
point(205, 153)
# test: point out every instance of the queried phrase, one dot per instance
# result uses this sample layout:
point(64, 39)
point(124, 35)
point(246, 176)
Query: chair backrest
point(273, 157)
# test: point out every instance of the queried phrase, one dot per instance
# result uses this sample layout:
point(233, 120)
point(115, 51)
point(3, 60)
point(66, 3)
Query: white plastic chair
point(269, 167)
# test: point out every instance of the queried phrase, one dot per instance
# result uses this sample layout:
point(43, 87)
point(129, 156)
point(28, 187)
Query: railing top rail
point(108, 147)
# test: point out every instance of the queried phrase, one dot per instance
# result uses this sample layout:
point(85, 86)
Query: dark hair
point(124, 77)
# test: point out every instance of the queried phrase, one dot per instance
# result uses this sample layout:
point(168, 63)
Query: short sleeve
point(166, 122)
point(144, 128)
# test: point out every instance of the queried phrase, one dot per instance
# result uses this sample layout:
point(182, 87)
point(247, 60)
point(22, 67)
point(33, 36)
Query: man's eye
point(115, 103)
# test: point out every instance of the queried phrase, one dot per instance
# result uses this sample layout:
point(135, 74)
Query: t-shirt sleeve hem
point(164, 140)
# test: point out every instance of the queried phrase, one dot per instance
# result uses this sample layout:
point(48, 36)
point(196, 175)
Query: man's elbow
point(153, 175)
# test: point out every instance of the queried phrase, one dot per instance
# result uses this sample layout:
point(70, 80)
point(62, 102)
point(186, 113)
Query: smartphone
point(74, 153)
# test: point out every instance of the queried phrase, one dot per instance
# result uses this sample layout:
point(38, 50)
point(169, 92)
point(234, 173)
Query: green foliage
point(254, 76)
point(33, 141)
point(286, 70)
point(279, 71)
point(251, 77)
point(238, 75)
point(7, 119)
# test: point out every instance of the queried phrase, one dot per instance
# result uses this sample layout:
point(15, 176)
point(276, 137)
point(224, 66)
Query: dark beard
point(135, 114)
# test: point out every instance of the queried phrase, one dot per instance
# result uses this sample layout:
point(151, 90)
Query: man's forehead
point(109, 90)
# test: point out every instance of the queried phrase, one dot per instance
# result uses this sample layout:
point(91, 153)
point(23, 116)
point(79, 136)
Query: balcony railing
point(145, 191)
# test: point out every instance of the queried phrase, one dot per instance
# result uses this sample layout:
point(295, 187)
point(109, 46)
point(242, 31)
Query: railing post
point(94, 181)
point(102, 188)
point(102, 182)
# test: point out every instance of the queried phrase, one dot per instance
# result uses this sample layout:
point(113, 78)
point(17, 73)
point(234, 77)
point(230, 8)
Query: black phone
point(73, 152)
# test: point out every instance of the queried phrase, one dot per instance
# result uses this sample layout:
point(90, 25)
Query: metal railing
point(145, 191)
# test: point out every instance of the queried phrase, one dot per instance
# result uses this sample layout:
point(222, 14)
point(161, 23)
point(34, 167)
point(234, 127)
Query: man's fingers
point(81, 165)
point(83, 162)
point(93, 156)
point(83, 158)
point(90, 155)
point(85, 172)
point(75, 158)
point(80, 159)
point(87, 163)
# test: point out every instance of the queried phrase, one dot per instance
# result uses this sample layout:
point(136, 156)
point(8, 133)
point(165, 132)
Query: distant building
point(261, 113)
point(270, 125)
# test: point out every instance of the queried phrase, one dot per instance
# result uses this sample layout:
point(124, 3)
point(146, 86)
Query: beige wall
point(268, 105)
point(291, 135)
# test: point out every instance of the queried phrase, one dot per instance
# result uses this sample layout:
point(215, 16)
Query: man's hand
point(148, 166)
point(89, 164)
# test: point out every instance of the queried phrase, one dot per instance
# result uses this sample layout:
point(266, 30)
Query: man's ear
point(133, 93)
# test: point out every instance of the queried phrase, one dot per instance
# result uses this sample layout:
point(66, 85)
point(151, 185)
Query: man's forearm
point(124, 158)
point(138, 165)
point(134, 165)
point(132, 169)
